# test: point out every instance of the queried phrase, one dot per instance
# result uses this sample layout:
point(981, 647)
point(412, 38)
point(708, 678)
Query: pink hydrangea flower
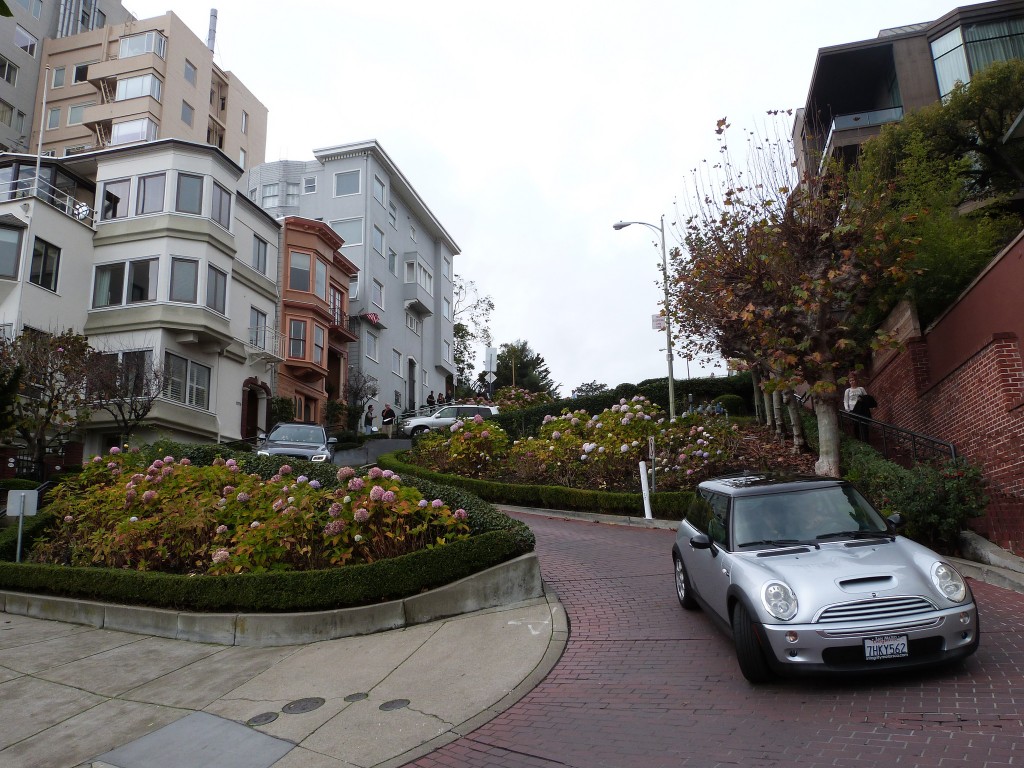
point(221, 556)
point(115, 450)
point(335, 509)
point(334, 527)
point(301, 479)
point(388, 497)
point(228, 490)
point(345, 473)
point(254, 524)
point(221, 529)
point(460, 514)
point(243, 497)
point(168, 459)
point(376, 473)
point(157, 464)
point(437, 503)
point(185, 462)
point(388, 474)
point(423, 503)
point(376, 493)
point(68, 519)
point(356, 484)
point(278, 505)
point(361, 515)
point(285, 469)
point(314, 484)
point(148, 496)
point(133, 519)
point(478, 419)
point(97, 459)
point(231, 463)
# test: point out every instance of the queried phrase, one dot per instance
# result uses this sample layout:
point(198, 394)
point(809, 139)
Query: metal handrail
point(894, 438)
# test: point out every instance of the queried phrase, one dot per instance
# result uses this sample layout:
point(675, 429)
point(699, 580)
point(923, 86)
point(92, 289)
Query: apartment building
point(149, 250)
point(858, 87)
point(314, 280)
point(140, 81)
point(21, 38)
point(401, 300)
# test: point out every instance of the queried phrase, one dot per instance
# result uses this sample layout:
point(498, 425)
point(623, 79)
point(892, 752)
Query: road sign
point(491, 359)
point(658, 322)
point(490, 377)
point(650, 447)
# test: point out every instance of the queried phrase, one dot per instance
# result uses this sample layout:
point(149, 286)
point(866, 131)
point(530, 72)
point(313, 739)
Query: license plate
point(887, 647)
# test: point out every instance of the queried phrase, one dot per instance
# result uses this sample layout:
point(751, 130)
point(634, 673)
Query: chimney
point(212, 37)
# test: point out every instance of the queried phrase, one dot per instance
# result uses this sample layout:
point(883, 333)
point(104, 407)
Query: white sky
point(529, 128)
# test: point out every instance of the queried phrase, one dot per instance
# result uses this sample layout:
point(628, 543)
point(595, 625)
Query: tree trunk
point(799, 443)
point(769, 414)
point(828, 437)
point(780, 422)
point(758, 402)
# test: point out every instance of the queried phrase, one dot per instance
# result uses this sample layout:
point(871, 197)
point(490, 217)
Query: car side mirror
point(703, 541)
point(332, 440)
point(261, 435)
point(896, 521)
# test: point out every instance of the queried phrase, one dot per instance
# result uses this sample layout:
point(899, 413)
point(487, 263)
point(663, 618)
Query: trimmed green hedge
point(16, 484)
point(664, 506)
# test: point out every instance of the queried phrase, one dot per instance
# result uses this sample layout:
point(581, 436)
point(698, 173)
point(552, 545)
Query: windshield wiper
point(776, 543)
point(858, 535)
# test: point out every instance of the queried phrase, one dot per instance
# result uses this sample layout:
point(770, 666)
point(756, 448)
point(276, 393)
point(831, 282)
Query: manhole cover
point(262, 719)
point(388, 706)
point(357, 696)
point(299, 706)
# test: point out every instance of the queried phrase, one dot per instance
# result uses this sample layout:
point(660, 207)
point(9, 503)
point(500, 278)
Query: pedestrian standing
point(387, 420)
point(368, 419)
point(430, 399)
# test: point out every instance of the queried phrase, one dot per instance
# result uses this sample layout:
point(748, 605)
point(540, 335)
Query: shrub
point(733, 404)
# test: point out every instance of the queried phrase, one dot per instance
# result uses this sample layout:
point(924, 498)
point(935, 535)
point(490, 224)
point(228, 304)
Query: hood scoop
point(868, 584)
point(787, 551)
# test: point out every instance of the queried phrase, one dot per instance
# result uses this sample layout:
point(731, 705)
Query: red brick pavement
point(643, 683)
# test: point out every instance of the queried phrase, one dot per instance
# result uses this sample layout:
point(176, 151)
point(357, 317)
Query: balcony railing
point(72, 207)
point(858, 120)
point(266, 343)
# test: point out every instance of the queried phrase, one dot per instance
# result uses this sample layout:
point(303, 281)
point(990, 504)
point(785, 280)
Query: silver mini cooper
point(806, 576)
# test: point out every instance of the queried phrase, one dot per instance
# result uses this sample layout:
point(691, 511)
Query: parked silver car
point(299, 441)
point(807, 576)
point(444, 417)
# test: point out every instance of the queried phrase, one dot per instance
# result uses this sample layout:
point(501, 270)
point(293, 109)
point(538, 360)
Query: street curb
point(514, 581)
point(593, 517)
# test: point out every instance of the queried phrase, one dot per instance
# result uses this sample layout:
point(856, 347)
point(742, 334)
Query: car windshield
point(781, 519)
point(296, 433)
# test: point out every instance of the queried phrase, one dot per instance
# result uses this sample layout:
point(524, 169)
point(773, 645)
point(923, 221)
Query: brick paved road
point(643, 683)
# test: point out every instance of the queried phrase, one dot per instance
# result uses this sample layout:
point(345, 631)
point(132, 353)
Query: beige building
point(141, 81)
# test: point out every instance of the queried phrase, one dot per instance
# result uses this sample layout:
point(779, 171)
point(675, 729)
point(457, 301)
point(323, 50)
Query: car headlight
point(262, 453)
point(948, 581)
point(320, 457)
point(779, 600)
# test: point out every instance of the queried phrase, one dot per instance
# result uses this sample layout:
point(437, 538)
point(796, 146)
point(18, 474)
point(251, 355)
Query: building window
point(371, 345)
point(446, 309)
point(378, 190)
point(967, 50)
point(349, 230)
point(298, 271)
point(45, 263)
point(129, 131)
point(9, 71)
point(53, 118)
point(320, 284)
point(188, 114)
point(216, 290)
point(184, 280)
point(396, 362)
point(378, 293)
point(392, 261)
point(446, 351)
point(145, 42)
point(319, 334)
point(309, 185)
point(257, 328)
point(245, 122)
point(19, 122)
point(417, 273)
point(58, 77)
point(26, 41)
point(186, 381)
point(108, 286)
point(10, 249)
point(446, 268)
point(297, 339)
point(189, 197)
point(259, 254)
point(135, 87)
point(115, 199)
point(221, 206)
point(337, 303)
point(242, 158)
point(190, 72)
point(149, 198)
point(80, 74)
point(291, 193)
point(6, 113)
point(76, 112)
point(378, 240)
point(35, 7)
point(271, 195)
point(346, 183)
point(413, 323)
point(412, 234)
point(142, 280)
point(393, 215)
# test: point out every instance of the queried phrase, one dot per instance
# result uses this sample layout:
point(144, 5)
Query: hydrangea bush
point(578, 450)
point(168, 515)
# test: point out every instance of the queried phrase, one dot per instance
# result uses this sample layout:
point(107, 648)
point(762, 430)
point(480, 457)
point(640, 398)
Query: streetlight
point(660, 229)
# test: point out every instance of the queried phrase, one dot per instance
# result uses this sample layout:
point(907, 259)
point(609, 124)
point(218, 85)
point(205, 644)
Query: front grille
point(875, 610)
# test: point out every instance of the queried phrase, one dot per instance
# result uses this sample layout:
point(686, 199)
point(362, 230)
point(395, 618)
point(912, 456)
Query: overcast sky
point(529, 128)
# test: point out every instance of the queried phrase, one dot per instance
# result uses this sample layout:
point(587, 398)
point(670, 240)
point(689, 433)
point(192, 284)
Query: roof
point(754, 484)
point(398, 179)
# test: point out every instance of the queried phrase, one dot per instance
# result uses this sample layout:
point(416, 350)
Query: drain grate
point(357, 697)
point(262, 719)
point(394, 704)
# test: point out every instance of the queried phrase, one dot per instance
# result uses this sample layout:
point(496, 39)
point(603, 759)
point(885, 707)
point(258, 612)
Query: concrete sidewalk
point(78, 696)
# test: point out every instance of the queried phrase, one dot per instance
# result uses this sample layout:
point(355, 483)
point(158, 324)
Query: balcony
point(51, 195)
point(265, 344)
point(855, 128)
point(417, 299)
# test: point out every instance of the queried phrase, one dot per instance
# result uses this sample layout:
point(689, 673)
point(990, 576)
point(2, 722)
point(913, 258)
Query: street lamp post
point(660, 229)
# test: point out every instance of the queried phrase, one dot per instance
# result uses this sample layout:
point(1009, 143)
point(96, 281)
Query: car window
point(718, 524)
point(469, 411)
point(446, 413)
point(698, 512)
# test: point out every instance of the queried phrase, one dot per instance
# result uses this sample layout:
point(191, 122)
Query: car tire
point(749, 652)
point(684, 592)
point(416, 431)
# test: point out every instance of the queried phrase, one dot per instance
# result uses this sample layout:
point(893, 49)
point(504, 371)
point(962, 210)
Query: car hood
point(291, 448)
point(841, 572)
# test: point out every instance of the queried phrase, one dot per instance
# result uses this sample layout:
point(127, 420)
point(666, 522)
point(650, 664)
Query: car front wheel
point(749, 652)
point(683, 589)
point(418, 431)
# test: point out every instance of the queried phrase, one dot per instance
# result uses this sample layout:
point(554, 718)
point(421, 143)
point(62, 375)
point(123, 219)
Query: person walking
point(368, 419)
point(387, 420)
point(859, 403)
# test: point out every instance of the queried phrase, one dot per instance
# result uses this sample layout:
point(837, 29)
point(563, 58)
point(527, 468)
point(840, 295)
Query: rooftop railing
point(858, 120)
point(72, 207)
